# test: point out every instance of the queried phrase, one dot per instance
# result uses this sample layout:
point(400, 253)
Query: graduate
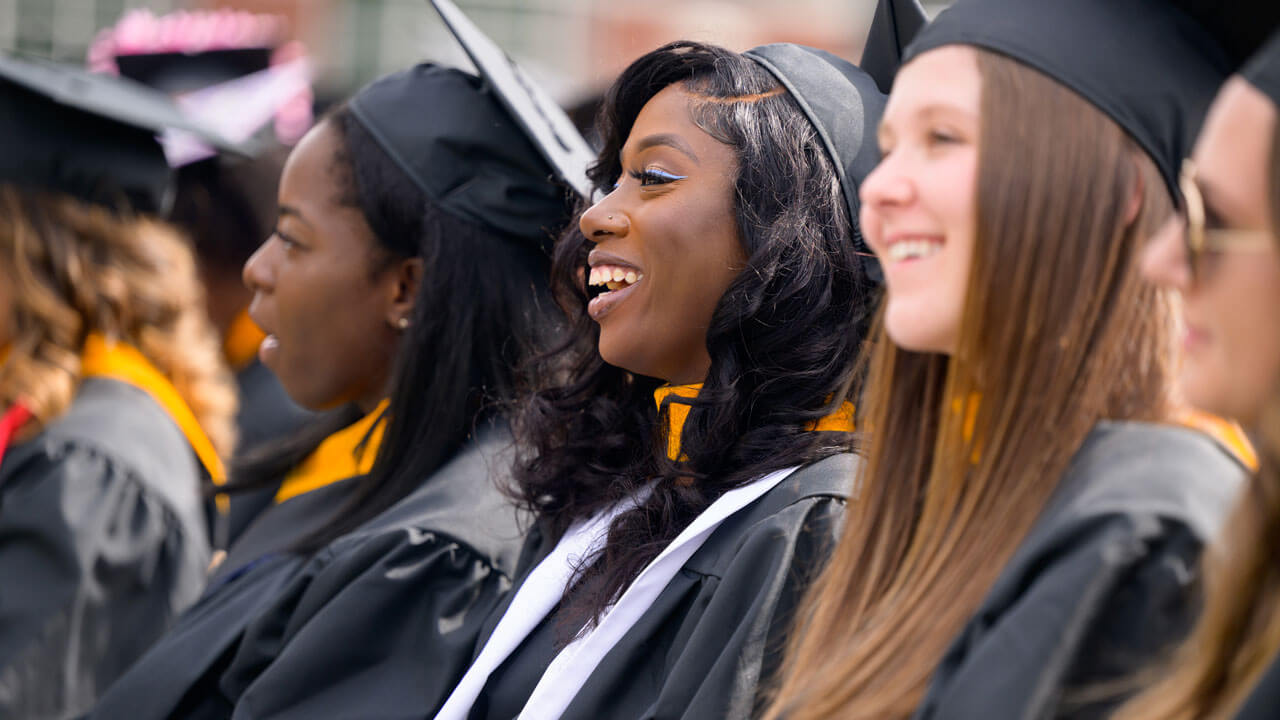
point(405, 279)
point(1033, 505)
point(239, 71)
point(690, 449)
point(1222, 254)
point(114, 402)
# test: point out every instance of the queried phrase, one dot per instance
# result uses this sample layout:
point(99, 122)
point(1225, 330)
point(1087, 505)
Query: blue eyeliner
point(666, 176)
point(656, 177)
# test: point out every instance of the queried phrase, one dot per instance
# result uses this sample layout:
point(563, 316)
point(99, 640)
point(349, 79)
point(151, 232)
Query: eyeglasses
point(1202, 241)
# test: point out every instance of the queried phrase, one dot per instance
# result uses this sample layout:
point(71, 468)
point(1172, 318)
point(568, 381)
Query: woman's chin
point(1209, 392)
point(624, 355)
point(918, 332)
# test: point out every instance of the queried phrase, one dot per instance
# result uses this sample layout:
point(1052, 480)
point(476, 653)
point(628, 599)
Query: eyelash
point(938, 136)
point(1213, 220)
point(289, 243)
point(652, 177)
point(935, 137)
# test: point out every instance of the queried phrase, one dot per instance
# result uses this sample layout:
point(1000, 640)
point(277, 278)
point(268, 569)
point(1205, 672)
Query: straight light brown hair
point(1058, 332)
point(76, 269)
point(1238, 635)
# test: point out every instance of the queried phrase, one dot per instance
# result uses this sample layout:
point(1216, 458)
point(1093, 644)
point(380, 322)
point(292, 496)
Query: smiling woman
point(1031, 511)
point(671, 211)
point(694, 429)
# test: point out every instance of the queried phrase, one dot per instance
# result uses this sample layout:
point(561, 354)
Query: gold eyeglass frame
point(1200, 239)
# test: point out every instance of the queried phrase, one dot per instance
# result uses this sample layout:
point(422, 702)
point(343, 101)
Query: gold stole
point(339, 457)
point(677, 413)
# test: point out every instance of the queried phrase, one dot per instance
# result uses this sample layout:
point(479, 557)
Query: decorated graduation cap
point(231, 70)
point(181, 72)
point(1263, 70)
point(485, 148)
point(844, 104)
point(90, 136)
point(1153, 66)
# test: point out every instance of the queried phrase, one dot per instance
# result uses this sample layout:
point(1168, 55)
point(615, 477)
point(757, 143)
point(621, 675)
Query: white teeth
point(913, 249)
point(613, 277)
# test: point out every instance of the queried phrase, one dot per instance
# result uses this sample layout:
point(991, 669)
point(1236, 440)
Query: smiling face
point(322, 288)
point(665, 242)
point(918, 209)
point(1231, 346)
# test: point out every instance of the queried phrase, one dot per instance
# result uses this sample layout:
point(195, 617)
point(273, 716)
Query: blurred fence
point(573, 46)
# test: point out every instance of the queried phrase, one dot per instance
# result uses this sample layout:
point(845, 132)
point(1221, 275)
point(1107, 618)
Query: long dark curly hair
point(784, 339)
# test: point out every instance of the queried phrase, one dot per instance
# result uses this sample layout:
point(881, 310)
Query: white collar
point(546, 584)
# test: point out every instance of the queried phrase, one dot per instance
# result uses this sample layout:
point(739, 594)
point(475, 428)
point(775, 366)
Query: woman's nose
point(604, 219)
point(259, 270)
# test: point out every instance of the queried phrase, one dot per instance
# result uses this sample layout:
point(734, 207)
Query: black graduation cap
point(844, 105)
point(484, 149)
point(893, 26)
point(451, 136)
point(1263, 70)
point(546, 123)
point(174, 73)
point(91, 136)
point(1153, 66)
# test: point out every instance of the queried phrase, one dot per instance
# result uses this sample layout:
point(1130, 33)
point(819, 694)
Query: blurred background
point(574, 47)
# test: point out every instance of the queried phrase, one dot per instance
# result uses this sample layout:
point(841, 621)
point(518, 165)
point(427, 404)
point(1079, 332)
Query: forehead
point(669, 113)
point(943, 78)
point(1233, 152)
point(311, 157)
point(666, 111)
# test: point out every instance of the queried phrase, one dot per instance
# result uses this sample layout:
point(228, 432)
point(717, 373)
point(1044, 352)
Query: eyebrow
point(290, 211)
point(928, 112)
point(670, 140)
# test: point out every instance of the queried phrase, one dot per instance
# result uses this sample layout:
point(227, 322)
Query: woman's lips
point(1194, 337)
point(911, 247)
point(616, 275)
point(604, 303)
point(268, 349)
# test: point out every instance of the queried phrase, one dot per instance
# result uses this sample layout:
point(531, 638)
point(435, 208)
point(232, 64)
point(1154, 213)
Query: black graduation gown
point(179, 675)
point(267, 414)
point(717, 632)
point(102, 544)
point(291, 636)
point(1105, 582)
point(1264, 701)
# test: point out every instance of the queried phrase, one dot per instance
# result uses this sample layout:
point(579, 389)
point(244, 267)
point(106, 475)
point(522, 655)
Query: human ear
point(405, 279)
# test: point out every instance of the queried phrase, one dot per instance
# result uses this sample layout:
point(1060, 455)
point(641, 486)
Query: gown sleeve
point(713, 639)
point(93, 568)
point(1263, 702)
point(1089, 611)
point(379, 626)
point(1104, 584)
